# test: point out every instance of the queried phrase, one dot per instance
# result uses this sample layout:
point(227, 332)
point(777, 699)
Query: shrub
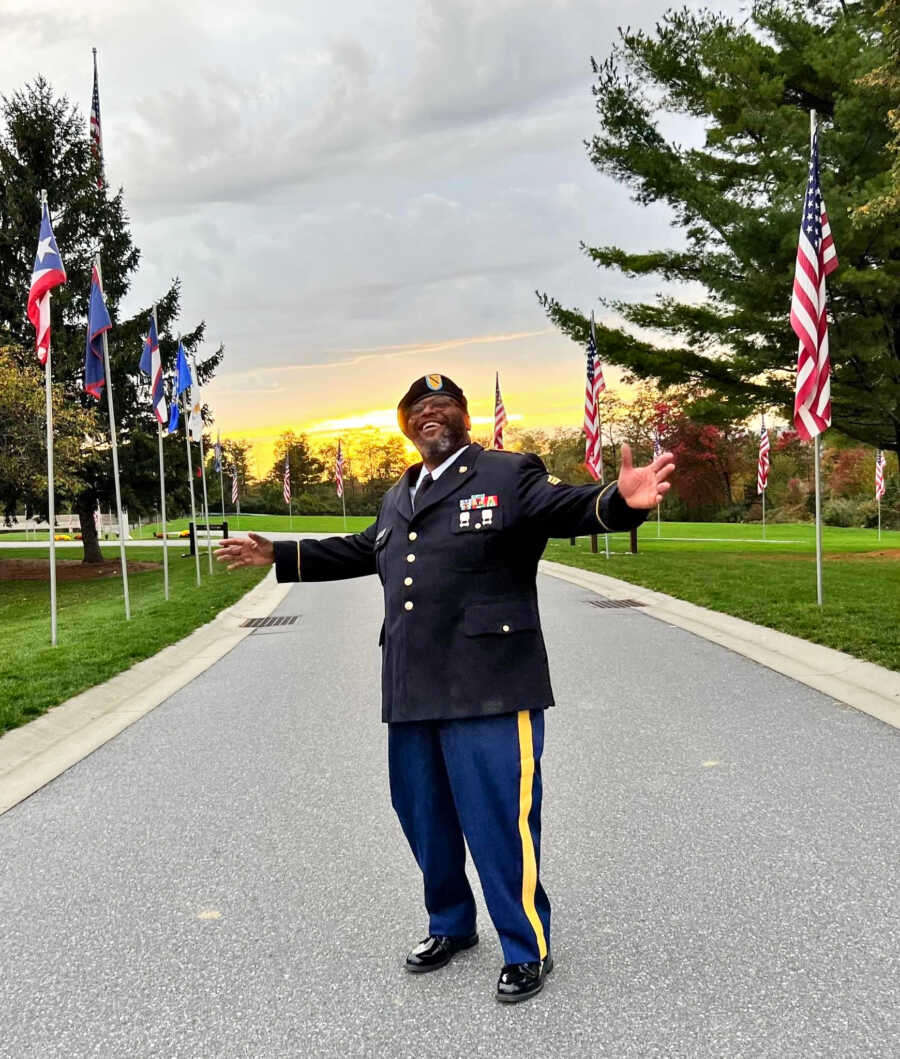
point(843, 511)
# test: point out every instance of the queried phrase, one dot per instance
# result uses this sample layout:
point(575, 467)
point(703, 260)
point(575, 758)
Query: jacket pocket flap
point(516, 615)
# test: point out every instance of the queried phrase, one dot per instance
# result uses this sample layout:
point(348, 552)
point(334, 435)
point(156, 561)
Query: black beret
point(424, 387)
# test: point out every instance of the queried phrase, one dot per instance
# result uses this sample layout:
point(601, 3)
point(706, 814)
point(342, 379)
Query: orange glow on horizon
point(539, 410)
point(541, 379)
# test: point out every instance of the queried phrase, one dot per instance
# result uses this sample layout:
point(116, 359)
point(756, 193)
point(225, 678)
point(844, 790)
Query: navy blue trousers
point(478, 779)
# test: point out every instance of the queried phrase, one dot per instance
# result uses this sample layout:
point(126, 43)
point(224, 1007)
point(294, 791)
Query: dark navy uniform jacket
point(461, 635)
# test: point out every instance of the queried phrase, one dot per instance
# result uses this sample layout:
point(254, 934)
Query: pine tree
point(737, 199)
point(44, 144)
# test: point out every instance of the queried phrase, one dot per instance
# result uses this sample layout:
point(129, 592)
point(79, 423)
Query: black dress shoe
point(437, 950)
point(519, 981)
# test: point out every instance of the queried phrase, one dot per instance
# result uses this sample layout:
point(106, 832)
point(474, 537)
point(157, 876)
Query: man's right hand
point(251, 550)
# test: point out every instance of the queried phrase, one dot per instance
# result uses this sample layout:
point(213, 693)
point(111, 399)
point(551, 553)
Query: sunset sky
point(354, 195)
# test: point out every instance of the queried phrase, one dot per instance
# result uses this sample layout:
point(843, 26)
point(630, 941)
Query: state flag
point(98, 323)
point(151, 364)
point(48, 273)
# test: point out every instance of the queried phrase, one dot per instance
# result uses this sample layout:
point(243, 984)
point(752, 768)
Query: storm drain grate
point(267, 623)
point(614, 604)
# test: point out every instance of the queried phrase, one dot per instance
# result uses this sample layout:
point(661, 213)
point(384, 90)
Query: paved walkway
point(226, 876)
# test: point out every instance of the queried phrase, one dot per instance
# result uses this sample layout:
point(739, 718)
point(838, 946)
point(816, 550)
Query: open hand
point(252, 550)
point(644, 487)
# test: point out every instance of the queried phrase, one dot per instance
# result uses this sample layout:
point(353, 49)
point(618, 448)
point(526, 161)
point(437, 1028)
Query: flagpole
point(115, 453)
point(878, 464)
point(162, 489)
point(203, 473)
point(343, 491)
point(817, 445)
point(51, 497)
point(222, 484)
point(290, 495)
point(600, 446)
point(599, 426)
point(187, 441)
point(764, 514)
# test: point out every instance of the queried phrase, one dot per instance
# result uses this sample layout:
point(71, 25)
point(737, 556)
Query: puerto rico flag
point(48, 273)
point(98, 323)
point(151, 364)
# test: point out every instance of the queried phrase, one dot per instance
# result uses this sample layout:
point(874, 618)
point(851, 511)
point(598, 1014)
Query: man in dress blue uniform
point(465, 680)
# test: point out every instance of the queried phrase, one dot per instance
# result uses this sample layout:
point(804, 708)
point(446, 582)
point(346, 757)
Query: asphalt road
point(226, 877)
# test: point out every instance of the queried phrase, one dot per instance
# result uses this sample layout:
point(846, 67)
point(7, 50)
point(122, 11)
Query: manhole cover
point(614, 604)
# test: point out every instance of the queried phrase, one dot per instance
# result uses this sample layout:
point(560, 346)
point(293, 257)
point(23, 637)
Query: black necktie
point(426, 483)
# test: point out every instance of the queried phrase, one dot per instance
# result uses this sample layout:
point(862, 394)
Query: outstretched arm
point(332, 559)
point(572, 510)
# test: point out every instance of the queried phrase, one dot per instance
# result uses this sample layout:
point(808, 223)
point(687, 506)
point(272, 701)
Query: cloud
point(346, 189)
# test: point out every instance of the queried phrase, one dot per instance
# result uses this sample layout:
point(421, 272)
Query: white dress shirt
point(435, 474)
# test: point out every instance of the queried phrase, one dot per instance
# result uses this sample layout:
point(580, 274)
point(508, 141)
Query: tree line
point(716, 480)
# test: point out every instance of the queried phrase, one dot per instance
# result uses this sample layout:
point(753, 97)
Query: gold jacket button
point(413, 535)
point(506, 628)
point(407, 581)
point(477, 525)
point(408, 605)
point(410, 558)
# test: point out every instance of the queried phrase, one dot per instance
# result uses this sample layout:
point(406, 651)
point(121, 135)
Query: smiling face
point(437, 426)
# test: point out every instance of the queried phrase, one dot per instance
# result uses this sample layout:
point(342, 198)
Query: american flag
point(499, 415)
point(48, 273)
point(218, 451)
point(98, 323)
point(880, 461)
point(286, 491)
point(96, 136)
point(762, 466)
point(339, 471)
point(599, 381)
point(234, 486)
point(594, 385)
point(816, 259)
point(657, 445)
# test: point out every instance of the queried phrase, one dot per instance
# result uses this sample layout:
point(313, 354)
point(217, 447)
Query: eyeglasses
point(436, 401)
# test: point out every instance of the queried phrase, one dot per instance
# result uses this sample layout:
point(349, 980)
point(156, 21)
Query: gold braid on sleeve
point(600, 496)
point(299, 578)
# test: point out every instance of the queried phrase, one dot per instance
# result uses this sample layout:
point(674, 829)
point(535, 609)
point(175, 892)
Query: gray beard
point(438, 449)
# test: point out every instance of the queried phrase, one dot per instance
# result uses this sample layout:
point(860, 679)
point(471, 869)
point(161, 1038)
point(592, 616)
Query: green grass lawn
point(94, 640)
point(722, 566)
point(770, 583)
point(257, 523)
point(276, 523)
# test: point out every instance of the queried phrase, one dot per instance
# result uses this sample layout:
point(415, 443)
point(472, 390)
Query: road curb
point(866, 687)
point(38, 752)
